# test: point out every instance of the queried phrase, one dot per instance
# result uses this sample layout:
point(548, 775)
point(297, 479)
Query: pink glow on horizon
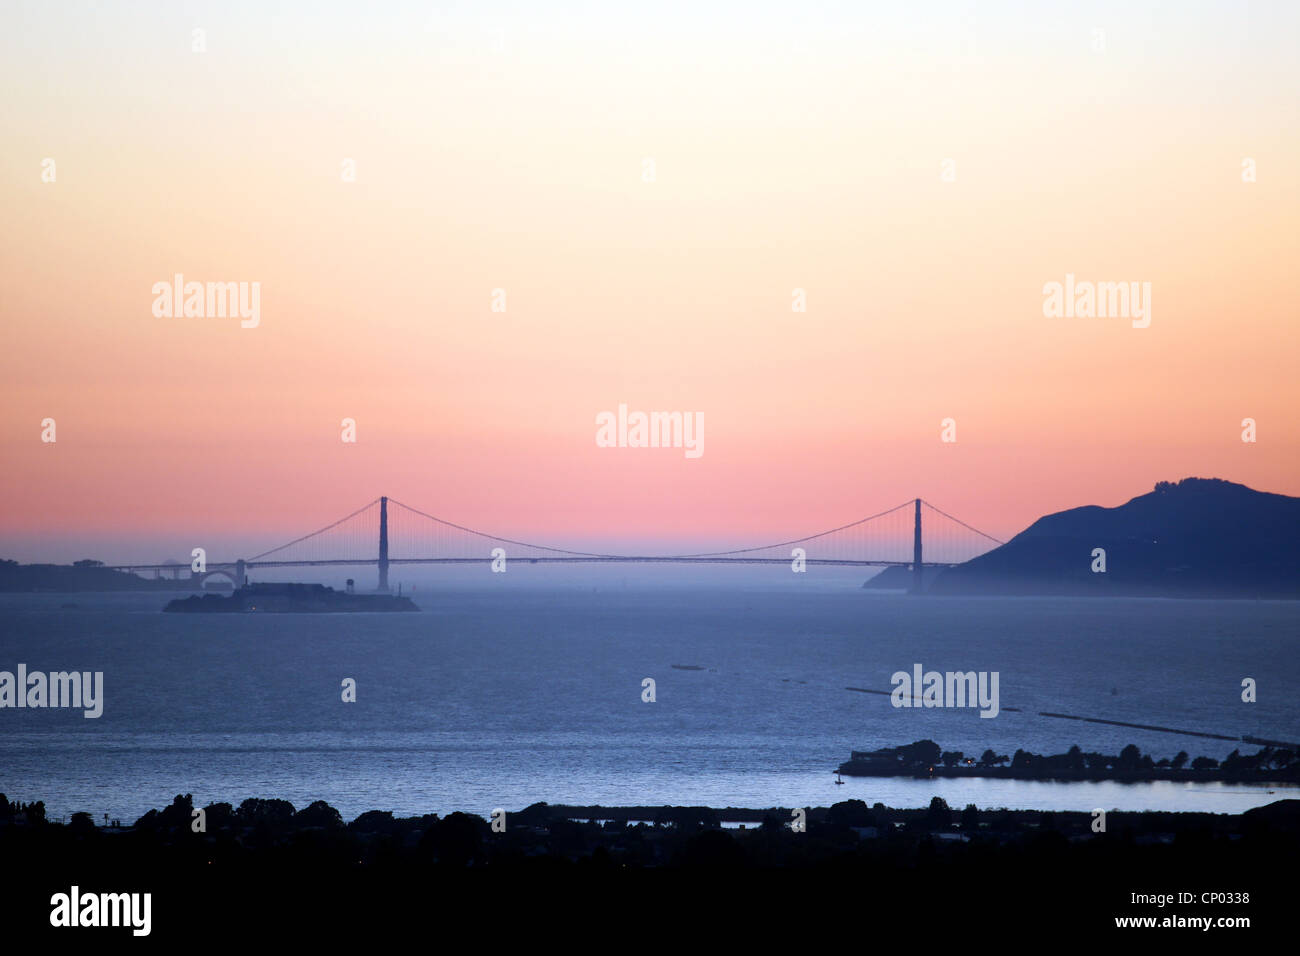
point(924, 297)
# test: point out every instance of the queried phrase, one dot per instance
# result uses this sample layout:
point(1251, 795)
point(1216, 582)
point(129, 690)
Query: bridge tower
point(916, 551)
point(383, 543)
point(241, 577)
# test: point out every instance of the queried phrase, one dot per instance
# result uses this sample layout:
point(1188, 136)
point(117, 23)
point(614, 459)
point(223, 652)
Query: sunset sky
point(502, 146)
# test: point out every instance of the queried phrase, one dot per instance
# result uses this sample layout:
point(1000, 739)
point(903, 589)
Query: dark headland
point(86, 576)
point(1199, 537)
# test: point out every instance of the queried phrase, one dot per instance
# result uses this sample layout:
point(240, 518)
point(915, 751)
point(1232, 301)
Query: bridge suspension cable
point(962, 523)
point(318, 531)
point(493, 537)
point(786, 544)
point(887, 541)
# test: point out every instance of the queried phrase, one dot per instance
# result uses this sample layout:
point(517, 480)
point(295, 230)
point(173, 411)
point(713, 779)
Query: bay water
point(503, 694)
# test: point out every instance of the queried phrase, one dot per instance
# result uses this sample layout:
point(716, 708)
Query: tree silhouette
point(939, 814)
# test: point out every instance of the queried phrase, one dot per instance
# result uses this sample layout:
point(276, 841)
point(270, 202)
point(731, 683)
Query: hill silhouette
point(1199, 537)
point(82, 576)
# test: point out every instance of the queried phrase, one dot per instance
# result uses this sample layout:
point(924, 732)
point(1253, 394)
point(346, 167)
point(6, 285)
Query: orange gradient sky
point(497, 146)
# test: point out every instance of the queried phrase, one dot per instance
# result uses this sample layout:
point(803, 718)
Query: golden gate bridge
point(385, 532)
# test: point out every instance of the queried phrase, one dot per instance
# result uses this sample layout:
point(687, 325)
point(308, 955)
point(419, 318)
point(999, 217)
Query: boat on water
point(289, 599)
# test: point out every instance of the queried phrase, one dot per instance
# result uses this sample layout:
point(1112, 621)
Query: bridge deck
point(599, 559)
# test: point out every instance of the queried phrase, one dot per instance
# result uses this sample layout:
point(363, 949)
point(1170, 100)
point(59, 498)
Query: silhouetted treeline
point(266, 867)
point(31, 813)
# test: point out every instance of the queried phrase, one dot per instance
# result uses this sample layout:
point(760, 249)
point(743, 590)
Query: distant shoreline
point(1273, 765)
point(1286, 779)
point(84, 577)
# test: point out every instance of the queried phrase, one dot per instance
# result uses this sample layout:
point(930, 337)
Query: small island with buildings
point(289, 598)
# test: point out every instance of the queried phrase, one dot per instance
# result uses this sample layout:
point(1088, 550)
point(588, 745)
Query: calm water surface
point(503, 696)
